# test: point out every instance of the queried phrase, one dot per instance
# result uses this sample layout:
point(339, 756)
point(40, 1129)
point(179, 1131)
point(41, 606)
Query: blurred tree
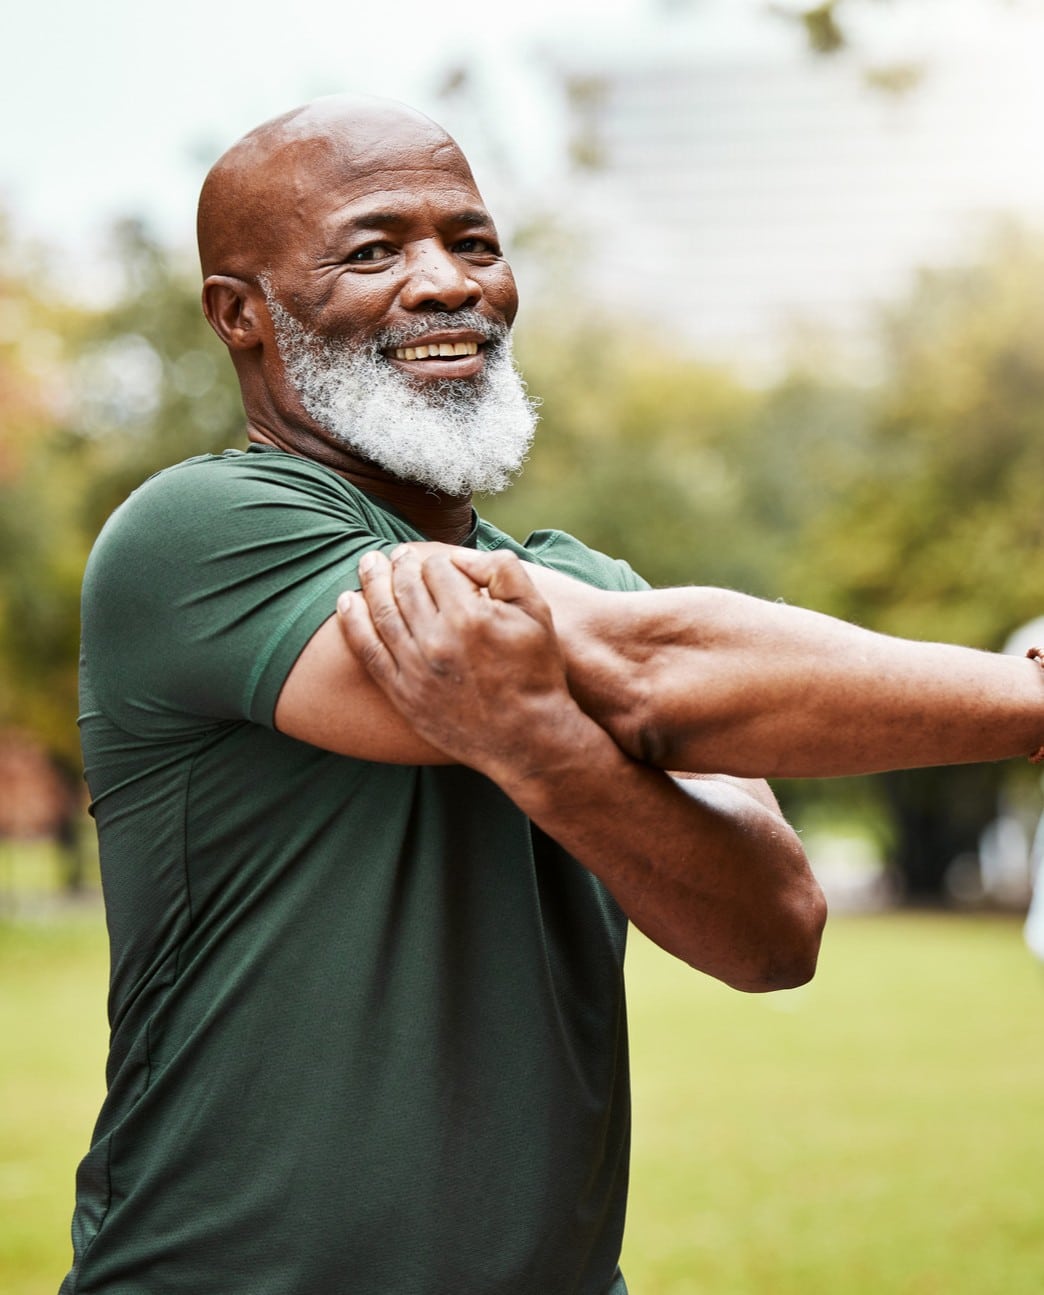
point(93, 402)
point(934, 529)
point(910, 507)
point(827, 24)
point(821, 23)
point(153, 383)
point(640, 452)
point(934, 499)
point(40, 556)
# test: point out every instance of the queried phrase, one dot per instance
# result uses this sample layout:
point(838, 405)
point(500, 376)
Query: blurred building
point(735, 190)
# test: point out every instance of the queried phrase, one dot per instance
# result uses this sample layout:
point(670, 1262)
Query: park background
point(782, 269)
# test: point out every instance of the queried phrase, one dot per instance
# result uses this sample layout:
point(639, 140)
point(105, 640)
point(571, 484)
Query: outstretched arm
point(708, 868)
point(709, 679)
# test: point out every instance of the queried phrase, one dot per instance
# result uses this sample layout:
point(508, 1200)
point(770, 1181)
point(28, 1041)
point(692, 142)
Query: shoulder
point(203, 501)
point(204, 586)
point(212, 534)
point(236, 476)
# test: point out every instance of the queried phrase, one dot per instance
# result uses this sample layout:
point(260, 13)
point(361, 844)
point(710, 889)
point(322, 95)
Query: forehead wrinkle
point(337, 169)
point(360, 154)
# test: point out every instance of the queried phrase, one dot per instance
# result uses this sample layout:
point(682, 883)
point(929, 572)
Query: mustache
point(491, 332)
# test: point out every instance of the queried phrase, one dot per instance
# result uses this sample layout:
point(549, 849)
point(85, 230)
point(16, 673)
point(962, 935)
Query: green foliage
point(40, 554)
point(822, 28)
point(94, 402)
point(935, 528)
point(155, 385)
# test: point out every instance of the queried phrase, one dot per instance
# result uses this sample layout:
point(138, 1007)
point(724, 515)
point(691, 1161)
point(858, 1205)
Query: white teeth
point(436, 350)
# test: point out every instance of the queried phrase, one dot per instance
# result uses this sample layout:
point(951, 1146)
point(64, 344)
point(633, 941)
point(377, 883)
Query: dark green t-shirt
point(368, 1027)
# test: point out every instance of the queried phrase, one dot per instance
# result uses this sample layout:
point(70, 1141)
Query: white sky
point(117, 107)
point(109, 107)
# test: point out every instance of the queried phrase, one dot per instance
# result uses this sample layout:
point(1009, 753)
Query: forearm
point(705, 678)
point(709, 870)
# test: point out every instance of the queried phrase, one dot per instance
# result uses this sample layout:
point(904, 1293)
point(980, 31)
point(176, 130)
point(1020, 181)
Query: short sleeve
point(569, 555)
point(204, 587)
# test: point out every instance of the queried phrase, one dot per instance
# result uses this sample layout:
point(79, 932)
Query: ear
point(231, 308)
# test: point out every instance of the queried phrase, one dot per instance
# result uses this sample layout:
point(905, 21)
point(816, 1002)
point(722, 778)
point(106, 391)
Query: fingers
point(409, 605)
point(371, 620)
point(502, 575)
point(392, 624)
point(375, 578)
point(412, 595)
point(361, 635)
point(500, 571)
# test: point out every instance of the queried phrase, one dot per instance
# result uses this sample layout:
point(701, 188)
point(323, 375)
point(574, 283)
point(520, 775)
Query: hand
point(470, 659)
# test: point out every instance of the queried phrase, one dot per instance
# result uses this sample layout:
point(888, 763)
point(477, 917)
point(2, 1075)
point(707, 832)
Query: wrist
point(557, 764)
point(1036, 655)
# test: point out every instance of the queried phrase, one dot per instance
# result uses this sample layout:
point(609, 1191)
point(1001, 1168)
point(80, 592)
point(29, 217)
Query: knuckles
point(385, 615)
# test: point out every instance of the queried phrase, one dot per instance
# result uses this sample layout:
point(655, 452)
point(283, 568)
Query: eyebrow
point(395, 220)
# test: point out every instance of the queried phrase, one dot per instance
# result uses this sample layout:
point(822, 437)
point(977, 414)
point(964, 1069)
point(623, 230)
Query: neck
point(446, 518)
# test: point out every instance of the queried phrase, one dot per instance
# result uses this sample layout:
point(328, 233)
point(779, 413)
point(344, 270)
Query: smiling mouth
point(436, 351)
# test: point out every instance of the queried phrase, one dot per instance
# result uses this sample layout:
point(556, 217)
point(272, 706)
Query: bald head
point(257, 190)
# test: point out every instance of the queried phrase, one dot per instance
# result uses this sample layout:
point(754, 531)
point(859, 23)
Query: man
point(368, 875)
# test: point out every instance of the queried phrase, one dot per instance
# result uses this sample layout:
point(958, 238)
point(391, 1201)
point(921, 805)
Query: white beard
point(454, 435)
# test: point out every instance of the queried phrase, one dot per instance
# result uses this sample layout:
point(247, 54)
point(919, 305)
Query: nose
point(436, 279)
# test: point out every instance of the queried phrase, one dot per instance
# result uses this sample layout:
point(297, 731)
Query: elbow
point(643, 727)
point(809, 929)
point(632, 721)
point(788, 958)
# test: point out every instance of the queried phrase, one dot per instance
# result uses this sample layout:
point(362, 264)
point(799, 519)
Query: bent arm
point(708, 868)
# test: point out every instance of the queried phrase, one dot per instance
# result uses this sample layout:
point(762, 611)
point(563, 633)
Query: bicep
point(330, 701)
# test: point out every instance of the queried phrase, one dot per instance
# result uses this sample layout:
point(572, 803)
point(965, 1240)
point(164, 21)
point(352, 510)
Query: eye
point(371, 254)
point(483, 247)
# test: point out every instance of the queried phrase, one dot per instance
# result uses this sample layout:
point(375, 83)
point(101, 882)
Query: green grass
point(53, 979)
point(876, 1133)
point(33, 874)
